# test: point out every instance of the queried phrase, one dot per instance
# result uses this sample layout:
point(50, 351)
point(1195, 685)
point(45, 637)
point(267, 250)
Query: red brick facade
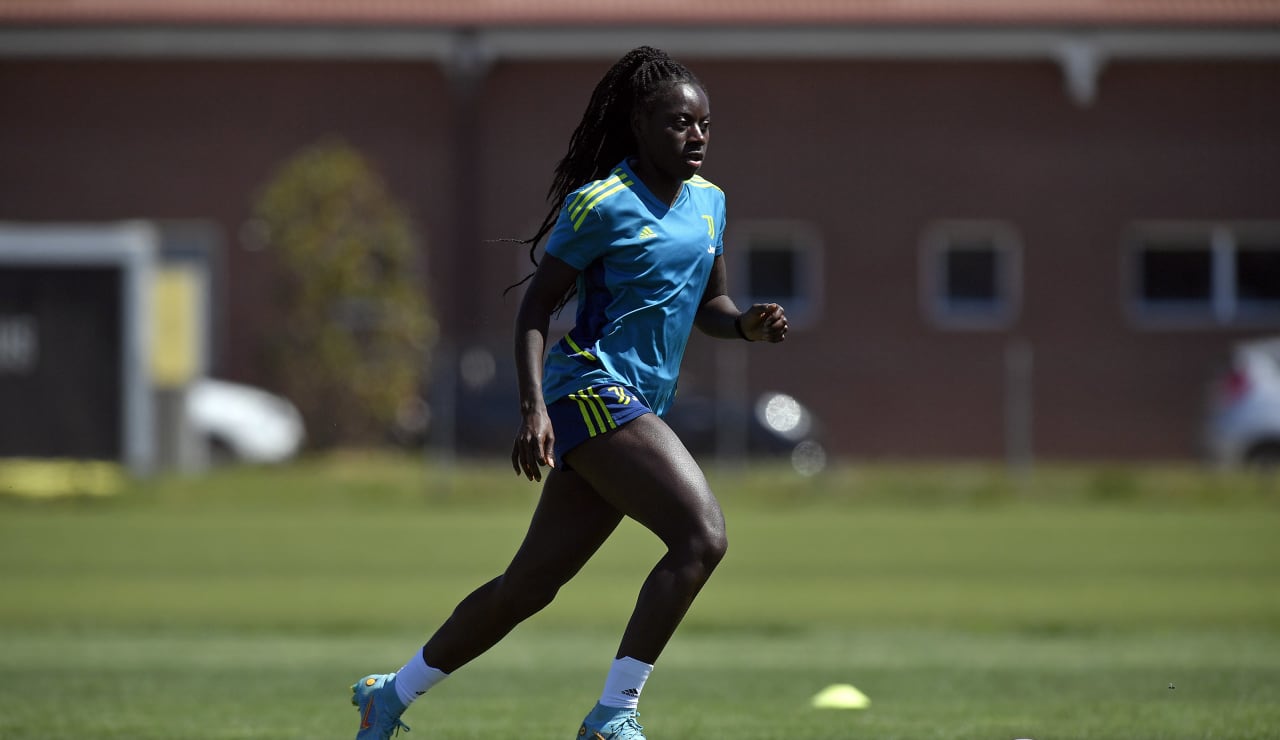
point(869, 153)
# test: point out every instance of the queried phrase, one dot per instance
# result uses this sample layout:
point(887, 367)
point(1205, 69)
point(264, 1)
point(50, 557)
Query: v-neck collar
point(651, 201)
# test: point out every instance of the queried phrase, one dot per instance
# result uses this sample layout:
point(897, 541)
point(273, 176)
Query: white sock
point(416, 678)
point(625, 682)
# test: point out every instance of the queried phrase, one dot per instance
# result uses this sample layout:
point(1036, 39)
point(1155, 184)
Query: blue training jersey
point(644, 267)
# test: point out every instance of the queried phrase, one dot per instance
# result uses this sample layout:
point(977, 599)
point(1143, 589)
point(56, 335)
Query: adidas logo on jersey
point(646, 233)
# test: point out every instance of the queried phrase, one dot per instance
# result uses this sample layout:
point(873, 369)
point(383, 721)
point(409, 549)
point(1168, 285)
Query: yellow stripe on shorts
point(603, 408)
point(590, 410)
point(586, 415)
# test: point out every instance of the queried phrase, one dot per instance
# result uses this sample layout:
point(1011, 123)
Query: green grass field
point(1069, 603)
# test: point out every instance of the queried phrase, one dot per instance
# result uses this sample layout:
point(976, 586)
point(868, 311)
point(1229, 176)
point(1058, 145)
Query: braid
point(603, 136)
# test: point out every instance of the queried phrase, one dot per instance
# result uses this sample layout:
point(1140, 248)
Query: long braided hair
point(603, 136)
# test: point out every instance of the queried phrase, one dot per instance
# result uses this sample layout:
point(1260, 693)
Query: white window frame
point(938, 239)
point(129, 246)
point(804, 240)
point(1224, 307)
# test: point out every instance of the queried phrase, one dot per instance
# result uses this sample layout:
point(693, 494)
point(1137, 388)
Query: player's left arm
point(718, 316)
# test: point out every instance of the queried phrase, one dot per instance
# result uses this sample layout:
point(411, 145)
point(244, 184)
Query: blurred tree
point(353, 331)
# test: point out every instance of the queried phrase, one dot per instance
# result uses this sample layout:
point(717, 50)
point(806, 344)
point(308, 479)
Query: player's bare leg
point(568, 526)
point(644, 470)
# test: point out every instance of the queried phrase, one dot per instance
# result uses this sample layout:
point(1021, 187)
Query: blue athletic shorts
point(590, 412)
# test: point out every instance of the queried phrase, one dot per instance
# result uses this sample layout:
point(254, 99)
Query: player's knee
point(717, 544)
point(708, 545)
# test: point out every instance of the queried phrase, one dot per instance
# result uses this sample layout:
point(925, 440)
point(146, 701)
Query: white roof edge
point(884, 43)
point(226, 43)
point(496, 44)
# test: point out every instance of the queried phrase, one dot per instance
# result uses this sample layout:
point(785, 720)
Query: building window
point(1199, 274)
point(777, 262)
point(971, 274)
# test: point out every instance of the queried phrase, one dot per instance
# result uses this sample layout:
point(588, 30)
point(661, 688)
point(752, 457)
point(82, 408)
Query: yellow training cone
point(841, 696)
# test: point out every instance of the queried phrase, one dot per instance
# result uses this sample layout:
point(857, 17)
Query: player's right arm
point(535, 439)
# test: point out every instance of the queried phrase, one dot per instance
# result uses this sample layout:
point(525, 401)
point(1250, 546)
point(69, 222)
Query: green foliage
point(353, 329)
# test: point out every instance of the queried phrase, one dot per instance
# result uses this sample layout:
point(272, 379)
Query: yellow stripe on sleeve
point(588, 193)
point(582, 216)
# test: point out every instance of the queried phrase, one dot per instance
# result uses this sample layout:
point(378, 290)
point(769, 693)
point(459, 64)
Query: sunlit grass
point(966, 601)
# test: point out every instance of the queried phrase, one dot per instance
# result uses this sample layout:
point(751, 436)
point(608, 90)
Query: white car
point(249, 424)
point(1243, 426)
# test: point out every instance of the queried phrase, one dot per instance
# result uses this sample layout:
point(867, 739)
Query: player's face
point(672, 135)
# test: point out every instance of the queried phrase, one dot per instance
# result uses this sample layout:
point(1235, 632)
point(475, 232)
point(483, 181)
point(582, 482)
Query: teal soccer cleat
point(611, 723)
point(380, 709)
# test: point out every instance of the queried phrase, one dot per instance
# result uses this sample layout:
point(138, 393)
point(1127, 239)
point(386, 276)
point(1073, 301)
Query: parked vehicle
point(474, 412)
point(776, 425)
point(1243, 420)
point(243, 423)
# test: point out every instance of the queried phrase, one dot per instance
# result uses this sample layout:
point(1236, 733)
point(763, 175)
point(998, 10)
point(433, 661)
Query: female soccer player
point(638, 235)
